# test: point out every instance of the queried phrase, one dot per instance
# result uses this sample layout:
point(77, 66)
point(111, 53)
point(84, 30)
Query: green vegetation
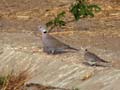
point(75, 89)
point(81, 9)
point(16, 82)
point(57, 21)
point(13, 82)
point(2, 80)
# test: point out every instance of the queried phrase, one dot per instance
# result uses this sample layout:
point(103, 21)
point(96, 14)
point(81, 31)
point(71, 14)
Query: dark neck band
point(45, 32)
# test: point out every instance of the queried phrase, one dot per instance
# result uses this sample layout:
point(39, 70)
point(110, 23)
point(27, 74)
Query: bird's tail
point(105, 64)
point(73, 48)
point(104, 61)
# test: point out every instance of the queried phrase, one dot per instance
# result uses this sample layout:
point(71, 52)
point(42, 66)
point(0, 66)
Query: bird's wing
point(55, 43)
point(92, 56)
point(101, 60)
point(97, 58)
point(89, 57)
point(52, 42)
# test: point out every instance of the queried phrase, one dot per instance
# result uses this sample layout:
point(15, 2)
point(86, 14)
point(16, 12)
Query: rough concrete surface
point(21, 47)
point(22, 51)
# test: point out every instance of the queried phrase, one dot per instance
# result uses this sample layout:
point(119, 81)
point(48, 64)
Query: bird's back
point(52, 42)
point(93, 57)
point(90, 56)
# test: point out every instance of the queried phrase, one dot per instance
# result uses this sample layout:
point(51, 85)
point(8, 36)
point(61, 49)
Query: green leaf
point(75, 11)
point(62, 14)
point(62, 23)
point(81, 9)
point(94, 7)
point(49, 23)
point(90, 13)
point(2, 80)
point(57, 21)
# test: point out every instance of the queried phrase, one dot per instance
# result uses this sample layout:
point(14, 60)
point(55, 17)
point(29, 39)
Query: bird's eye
point(39, 27)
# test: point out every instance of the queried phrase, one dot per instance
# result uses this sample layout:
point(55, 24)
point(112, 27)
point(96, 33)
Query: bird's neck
point(44, 35)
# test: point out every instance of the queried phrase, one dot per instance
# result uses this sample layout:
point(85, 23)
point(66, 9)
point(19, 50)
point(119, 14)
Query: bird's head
point(42, 29)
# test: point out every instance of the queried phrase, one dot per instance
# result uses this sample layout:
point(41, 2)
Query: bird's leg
point(47, 50)
point(53, 51)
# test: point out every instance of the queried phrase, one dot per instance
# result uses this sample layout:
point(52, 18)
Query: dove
point(93, 60)
point(51, 45)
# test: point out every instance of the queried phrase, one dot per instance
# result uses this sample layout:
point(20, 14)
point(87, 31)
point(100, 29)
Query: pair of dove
point(51, 45)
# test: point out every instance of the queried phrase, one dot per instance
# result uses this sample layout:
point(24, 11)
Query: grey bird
point(51, 45)
point(94, 60)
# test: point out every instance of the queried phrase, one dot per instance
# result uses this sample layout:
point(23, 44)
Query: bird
point(52, 45)
point(94, 60)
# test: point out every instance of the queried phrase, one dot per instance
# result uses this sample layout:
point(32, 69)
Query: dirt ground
point(21, 47)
